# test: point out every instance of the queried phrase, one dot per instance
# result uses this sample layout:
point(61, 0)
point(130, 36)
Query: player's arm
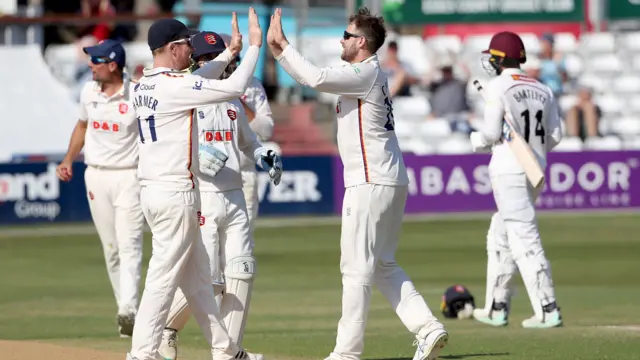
point(249, 145)
point(355, 80)
point(214, 68)
point(554, 132)
point(76, 143)
point(195, 91)
point(258, 111)
point(494, 113)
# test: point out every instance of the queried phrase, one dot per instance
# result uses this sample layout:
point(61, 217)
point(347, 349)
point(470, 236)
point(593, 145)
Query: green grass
point(56, 289)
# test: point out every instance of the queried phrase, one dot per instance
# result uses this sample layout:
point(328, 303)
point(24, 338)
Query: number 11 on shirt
point(150, 122)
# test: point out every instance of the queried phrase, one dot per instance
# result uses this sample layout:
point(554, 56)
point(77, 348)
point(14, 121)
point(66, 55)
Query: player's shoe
point(551, 319)
point(245, 355)
point(493, 317)
point(430, 347)
point(125, 324)
point(168, 349)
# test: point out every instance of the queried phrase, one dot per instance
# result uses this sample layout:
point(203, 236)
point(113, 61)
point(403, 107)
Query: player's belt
point(100, 167)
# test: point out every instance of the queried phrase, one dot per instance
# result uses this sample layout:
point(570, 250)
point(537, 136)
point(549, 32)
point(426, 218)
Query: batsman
point(513, 240)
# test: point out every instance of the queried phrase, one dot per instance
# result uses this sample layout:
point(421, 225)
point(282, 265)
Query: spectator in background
point(583, 118)
point(448, 100)
point(532, 67)
point(397, 71)
point(552, 67)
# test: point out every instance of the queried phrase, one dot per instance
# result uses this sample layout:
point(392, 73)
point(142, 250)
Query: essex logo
point(123, 108)
point(210, 39)
point(232, 114)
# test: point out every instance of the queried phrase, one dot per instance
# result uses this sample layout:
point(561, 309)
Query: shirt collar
point(512, 71)
point(372, 58)
point(160, 70)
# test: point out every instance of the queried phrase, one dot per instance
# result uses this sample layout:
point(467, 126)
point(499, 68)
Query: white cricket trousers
point(371, 223)
point(225, 229)
point(179, 259)
point(250, 189)
point(114, 202)
point(513, 243)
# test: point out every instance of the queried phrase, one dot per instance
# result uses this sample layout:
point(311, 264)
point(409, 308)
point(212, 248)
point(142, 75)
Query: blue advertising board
point(31, 193)
point(306, 187)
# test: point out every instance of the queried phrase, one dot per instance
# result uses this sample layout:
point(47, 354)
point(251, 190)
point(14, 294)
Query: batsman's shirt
point(111, 140)
point(226, 127)
point(531, 107)
point(165, 101)
point(256, 99)
point(367, 141)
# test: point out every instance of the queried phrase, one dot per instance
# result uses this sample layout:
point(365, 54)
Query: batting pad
point(179, 312)
point(500, 264)
point(239, 272)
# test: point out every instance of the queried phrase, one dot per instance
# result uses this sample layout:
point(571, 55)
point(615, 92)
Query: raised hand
point(278, 34)
point(255, 32)
point(235, 45)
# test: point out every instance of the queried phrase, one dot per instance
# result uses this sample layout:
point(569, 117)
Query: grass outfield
point(56, 290)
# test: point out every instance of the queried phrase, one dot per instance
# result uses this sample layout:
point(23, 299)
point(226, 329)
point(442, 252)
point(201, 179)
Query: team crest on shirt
point(232, 114)
point(123, 108)
point(91, 195)
point(200, 218)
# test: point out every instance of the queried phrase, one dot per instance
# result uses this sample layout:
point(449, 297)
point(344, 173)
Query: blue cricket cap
point(108, 49)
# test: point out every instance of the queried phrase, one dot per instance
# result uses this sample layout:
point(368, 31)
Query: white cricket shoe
point(125, 324)
point(493, 317)
point(245, 355)
point(551, 319)
point(430, 347)
point(168, 349)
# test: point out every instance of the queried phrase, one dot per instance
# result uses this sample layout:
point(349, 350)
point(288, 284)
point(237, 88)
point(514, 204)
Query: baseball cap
point(165, 31)
point(108, 49)
point(207, 42)
point(508, 45)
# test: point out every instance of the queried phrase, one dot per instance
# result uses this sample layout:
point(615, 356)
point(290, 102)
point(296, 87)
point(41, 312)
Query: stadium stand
point(33, 97)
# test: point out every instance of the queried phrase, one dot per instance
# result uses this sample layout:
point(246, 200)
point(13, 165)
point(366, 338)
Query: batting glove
point(478, 143)
point(506, 131)
point(211, 159)
point(272, 163)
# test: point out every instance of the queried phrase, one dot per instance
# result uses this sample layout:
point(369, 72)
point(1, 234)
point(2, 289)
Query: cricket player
point(224, 223)
point(256, 106)
point(376, 184)
point(170, 161)
point(513, 240)
point(108, 131)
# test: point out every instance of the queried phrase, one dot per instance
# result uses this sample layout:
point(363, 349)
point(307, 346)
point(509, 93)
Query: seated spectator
point(583, 118)
point(449, 100)
point(398, 72)
point(552, 67)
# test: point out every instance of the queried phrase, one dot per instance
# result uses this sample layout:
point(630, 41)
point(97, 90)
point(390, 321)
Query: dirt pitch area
point(34, 350)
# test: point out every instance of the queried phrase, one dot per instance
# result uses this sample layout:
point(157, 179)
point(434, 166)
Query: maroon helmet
point(507, 45)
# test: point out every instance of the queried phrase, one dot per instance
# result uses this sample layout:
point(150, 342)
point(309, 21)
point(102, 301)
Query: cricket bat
point(521, 149)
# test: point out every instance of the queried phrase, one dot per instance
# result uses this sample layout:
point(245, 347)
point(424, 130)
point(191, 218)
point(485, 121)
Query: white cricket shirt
point(255, 97)
point(226, 127)
point(367, 141)
point(111, 140)
point(533, 110)
point(165, 101)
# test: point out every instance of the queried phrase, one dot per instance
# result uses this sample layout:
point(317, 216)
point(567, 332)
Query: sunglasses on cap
point(347, 35)
point(96, 60)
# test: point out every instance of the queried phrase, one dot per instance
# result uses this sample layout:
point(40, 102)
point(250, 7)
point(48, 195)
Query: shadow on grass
point(456, 357)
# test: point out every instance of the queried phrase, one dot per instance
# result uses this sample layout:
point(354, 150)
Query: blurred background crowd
point(586, 51)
